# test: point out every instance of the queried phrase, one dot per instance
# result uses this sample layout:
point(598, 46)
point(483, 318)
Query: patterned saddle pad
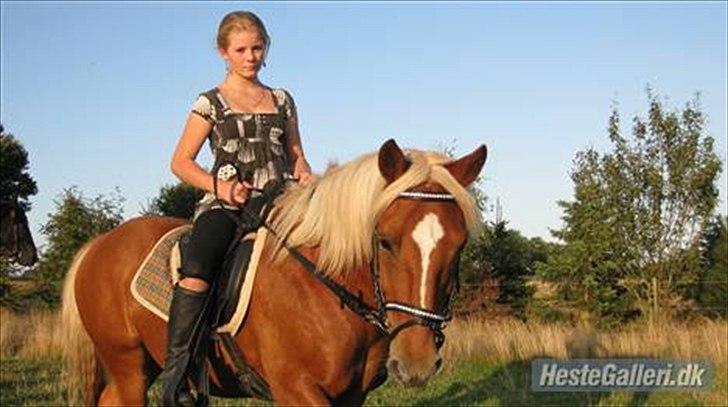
point(153, 282)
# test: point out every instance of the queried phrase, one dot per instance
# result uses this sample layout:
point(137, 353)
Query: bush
point(76, 221)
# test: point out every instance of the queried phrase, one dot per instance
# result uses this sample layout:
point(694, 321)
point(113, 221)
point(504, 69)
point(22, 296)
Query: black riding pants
point(212, 233)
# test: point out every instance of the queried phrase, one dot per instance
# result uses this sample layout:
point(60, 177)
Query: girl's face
point(245, 53)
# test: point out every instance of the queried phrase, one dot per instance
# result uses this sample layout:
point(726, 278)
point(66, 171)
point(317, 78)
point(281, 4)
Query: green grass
point(31, 382)
point(37, 382)
point(488, 384)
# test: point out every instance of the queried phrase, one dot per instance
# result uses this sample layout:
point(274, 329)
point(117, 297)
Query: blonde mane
point(338, 212)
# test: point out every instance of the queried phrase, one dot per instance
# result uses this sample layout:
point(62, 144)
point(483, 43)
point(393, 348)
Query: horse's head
point(419, 237)
point(403, 217)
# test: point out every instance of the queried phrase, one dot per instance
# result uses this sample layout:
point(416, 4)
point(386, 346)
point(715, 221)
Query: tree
point(16, 187)
point(16, 184)
point(504, 256)
point(508, 253)
point(712, 288)
point(76, 220)
point(637, 215)
point(175, 200)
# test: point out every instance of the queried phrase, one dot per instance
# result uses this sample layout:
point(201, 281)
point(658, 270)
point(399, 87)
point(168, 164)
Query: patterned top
point(252, 143)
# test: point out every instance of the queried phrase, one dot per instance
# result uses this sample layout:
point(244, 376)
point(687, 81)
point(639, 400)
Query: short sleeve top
point(251, 146)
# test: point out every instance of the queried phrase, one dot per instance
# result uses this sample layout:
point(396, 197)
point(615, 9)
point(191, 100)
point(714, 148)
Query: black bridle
point(377, 316)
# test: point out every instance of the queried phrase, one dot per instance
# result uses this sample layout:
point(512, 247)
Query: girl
point(254, 137)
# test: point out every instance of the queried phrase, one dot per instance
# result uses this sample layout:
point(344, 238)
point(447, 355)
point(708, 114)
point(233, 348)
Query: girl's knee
point(194, 284)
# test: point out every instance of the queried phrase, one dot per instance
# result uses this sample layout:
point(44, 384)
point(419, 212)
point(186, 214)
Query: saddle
point(237, 262)
point(153, 283)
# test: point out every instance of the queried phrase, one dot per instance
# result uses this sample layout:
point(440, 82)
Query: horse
point(16, 242)
point(387, 227)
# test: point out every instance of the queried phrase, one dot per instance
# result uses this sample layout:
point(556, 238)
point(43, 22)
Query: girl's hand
point(302, 172)
point(234, 192)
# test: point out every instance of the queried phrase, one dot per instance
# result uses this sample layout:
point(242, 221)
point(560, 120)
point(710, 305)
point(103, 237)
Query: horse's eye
point(386, 244)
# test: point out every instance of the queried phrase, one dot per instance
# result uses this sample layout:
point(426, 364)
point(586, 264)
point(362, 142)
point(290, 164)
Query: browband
point(426, 196)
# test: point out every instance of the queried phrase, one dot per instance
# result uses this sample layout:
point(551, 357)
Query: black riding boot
point(184, 313)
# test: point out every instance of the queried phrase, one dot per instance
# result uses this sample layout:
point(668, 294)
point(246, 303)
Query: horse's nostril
point(438, 364)
point(394, 366)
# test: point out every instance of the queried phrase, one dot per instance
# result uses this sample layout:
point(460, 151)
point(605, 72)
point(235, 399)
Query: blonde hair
point(240, 21)
point(339, 211)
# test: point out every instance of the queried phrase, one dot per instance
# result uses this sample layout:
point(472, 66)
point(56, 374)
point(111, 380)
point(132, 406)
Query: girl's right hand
point(233, 192)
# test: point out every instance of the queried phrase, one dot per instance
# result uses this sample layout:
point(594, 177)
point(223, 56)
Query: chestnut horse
point(388, 227)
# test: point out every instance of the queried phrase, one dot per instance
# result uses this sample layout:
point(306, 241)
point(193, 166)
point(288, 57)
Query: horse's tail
point(84, 374)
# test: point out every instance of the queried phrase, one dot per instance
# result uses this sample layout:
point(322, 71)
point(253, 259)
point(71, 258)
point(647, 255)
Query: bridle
point(435, 321)
point(377, 316)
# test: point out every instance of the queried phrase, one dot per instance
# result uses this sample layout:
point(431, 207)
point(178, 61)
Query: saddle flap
point(236, 286)
point(230, 280)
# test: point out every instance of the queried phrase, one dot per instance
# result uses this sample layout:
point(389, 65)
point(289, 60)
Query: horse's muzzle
point(411, 375)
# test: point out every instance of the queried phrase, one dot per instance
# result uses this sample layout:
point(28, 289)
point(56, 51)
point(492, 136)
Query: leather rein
point(377, 315)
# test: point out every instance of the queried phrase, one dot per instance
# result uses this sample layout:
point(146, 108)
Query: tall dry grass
point(32, 335)
point(508, 340)
point(37, 335)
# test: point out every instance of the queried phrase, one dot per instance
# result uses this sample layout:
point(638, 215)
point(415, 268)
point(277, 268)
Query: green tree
point(16, 187)
point(712, 288)
point(508, 253)
point(76, 220)
point(16, 184)
point(175, 200)
point(508, 257)
point(637, 215)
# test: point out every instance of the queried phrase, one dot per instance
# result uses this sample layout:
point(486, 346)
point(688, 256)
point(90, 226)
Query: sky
point(98, 92)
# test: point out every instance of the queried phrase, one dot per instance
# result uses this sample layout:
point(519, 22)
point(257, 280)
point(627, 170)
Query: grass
point(34, 382)
point(492, 384)
point(32, 335)
point(31, 382)
point(488, 362)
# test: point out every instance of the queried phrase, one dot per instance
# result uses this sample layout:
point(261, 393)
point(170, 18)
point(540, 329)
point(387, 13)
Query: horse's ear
point(466, 169)
point(392, 162)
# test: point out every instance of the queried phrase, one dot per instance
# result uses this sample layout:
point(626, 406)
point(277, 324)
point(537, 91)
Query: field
point(488, 363)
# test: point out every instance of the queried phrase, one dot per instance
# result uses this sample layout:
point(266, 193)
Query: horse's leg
point(117, 343)
point(129, 379)
point(102, 291)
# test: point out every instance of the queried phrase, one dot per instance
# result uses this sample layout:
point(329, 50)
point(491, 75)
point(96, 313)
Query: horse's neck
point(360, 282)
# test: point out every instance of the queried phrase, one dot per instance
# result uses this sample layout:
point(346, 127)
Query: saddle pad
point(152, 284)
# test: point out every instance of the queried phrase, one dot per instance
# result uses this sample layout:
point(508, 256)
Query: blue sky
point(98, 91)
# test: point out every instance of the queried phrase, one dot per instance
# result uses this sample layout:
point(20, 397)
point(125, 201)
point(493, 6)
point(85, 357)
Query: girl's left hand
point(302, 172)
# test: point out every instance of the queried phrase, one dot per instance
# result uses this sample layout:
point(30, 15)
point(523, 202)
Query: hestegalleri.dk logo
point(552, 375)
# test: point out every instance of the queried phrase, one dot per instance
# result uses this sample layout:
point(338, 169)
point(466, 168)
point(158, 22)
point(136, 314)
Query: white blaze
point(426, 234)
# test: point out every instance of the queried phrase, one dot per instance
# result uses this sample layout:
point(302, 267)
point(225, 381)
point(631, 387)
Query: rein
point(376, 316)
